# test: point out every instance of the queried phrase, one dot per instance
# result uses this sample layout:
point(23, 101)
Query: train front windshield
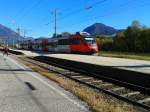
point(89, 39)
point(91, 42)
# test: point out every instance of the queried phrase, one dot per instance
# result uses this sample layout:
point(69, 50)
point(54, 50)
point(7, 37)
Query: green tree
point(105, 43)
point(145, 41)
point(120, 43)
point(136, 24)
point(132, 35)
point(66, 33)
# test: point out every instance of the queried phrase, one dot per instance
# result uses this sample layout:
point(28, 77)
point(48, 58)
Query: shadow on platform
point(135, 66)
point(16, 70)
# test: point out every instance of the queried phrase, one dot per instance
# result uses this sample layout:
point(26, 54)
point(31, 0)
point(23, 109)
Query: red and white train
point(81, 42)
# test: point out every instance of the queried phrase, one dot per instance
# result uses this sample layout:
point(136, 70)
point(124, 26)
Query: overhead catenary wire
point(77, 11)
point(85, 20)
point(71, 13)
point(28, 11)
point(24, 12)
point(108, 14)
point(83, 9)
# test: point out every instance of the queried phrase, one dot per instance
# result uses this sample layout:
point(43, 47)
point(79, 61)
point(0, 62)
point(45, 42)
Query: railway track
point(118, 89)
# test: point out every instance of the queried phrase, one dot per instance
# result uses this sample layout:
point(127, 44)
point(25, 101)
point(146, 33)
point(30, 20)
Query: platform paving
point(45, 96)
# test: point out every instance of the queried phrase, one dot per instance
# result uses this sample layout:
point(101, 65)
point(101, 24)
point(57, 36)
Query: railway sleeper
point(131, 94)
point(94, 82)
point(77, 76)
point(122, 91)
point(106, 86)
point(86, 78)
point(117, 89)
point(138, 97)
point(144, 100)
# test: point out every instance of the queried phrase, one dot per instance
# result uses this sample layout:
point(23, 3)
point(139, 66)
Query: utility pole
point(55, 13)
point(19, 38)
point(24, 33)
point(18, 31)
point(7, 41)
point(55, 22)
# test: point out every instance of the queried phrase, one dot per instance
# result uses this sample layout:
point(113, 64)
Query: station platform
point(120, 63)
point(17, 95)
point(126, 64)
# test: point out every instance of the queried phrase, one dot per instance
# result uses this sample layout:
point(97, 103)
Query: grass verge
point(125, 55)
point(97, 102)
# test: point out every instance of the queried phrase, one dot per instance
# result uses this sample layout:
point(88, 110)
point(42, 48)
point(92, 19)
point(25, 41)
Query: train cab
point(85, 43)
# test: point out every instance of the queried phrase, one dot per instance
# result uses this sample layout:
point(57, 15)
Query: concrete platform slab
point(16, 96)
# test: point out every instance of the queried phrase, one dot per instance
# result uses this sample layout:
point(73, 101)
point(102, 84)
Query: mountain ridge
point(7, 35)
point(102, 29)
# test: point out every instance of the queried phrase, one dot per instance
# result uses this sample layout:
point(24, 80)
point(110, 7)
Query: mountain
point(101, 29)
point(120, 30)
point(8, 35)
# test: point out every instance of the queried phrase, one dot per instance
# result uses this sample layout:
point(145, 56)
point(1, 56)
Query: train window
point(86, 35)
point(52, 44)
point(76, 42)
point(91, 42)
point(63, 42)
point(80, 42)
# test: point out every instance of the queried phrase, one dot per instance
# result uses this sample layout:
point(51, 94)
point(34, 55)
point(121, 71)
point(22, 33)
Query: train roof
point(60, 36)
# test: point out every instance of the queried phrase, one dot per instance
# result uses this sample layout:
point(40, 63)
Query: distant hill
point(7, 35)
point(102, 29)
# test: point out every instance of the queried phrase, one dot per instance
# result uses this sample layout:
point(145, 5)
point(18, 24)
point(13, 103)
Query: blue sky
point(34, 15)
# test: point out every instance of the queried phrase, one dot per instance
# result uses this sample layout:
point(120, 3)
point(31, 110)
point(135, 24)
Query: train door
point(77, 45)
point(63, 46)
point(52, 46)
point(44, 44)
